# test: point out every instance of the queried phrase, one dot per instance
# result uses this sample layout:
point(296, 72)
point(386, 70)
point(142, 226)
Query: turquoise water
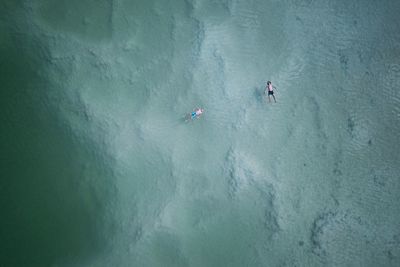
point(99, 168)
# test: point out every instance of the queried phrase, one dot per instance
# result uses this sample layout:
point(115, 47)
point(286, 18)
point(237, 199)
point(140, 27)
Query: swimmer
point(270, 89)
point(196, 113)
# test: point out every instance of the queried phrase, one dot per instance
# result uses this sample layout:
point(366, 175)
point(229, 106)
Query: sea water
point(99, 168)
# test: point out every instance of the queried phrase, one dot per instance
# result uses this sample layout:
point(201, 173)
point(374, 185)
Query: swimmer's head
point(269, 82)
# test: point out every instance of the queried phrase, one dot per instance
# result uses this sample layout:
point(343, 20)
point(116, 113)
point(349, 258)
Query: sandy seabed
point(100, 169)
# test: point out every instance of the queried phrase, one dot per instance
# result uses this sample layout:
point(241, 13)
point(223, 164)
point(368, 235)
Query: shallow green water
point(99, 168)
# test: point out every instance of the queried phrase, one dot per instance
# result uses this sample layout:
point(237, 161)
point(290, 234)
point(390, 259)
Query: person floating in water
point(196, 113)
point(270, 89)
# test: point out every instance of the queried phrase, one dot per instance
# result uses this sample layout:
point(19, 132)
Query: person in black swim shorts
point(270, 89)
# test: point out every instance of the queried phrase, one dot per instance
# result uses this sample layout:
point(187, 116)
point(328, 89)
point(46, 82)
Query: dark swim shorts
point(270, 92)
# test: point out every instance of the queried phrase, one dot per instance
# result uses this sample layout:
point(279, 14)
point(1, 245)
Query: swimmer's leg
point(187, 117)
